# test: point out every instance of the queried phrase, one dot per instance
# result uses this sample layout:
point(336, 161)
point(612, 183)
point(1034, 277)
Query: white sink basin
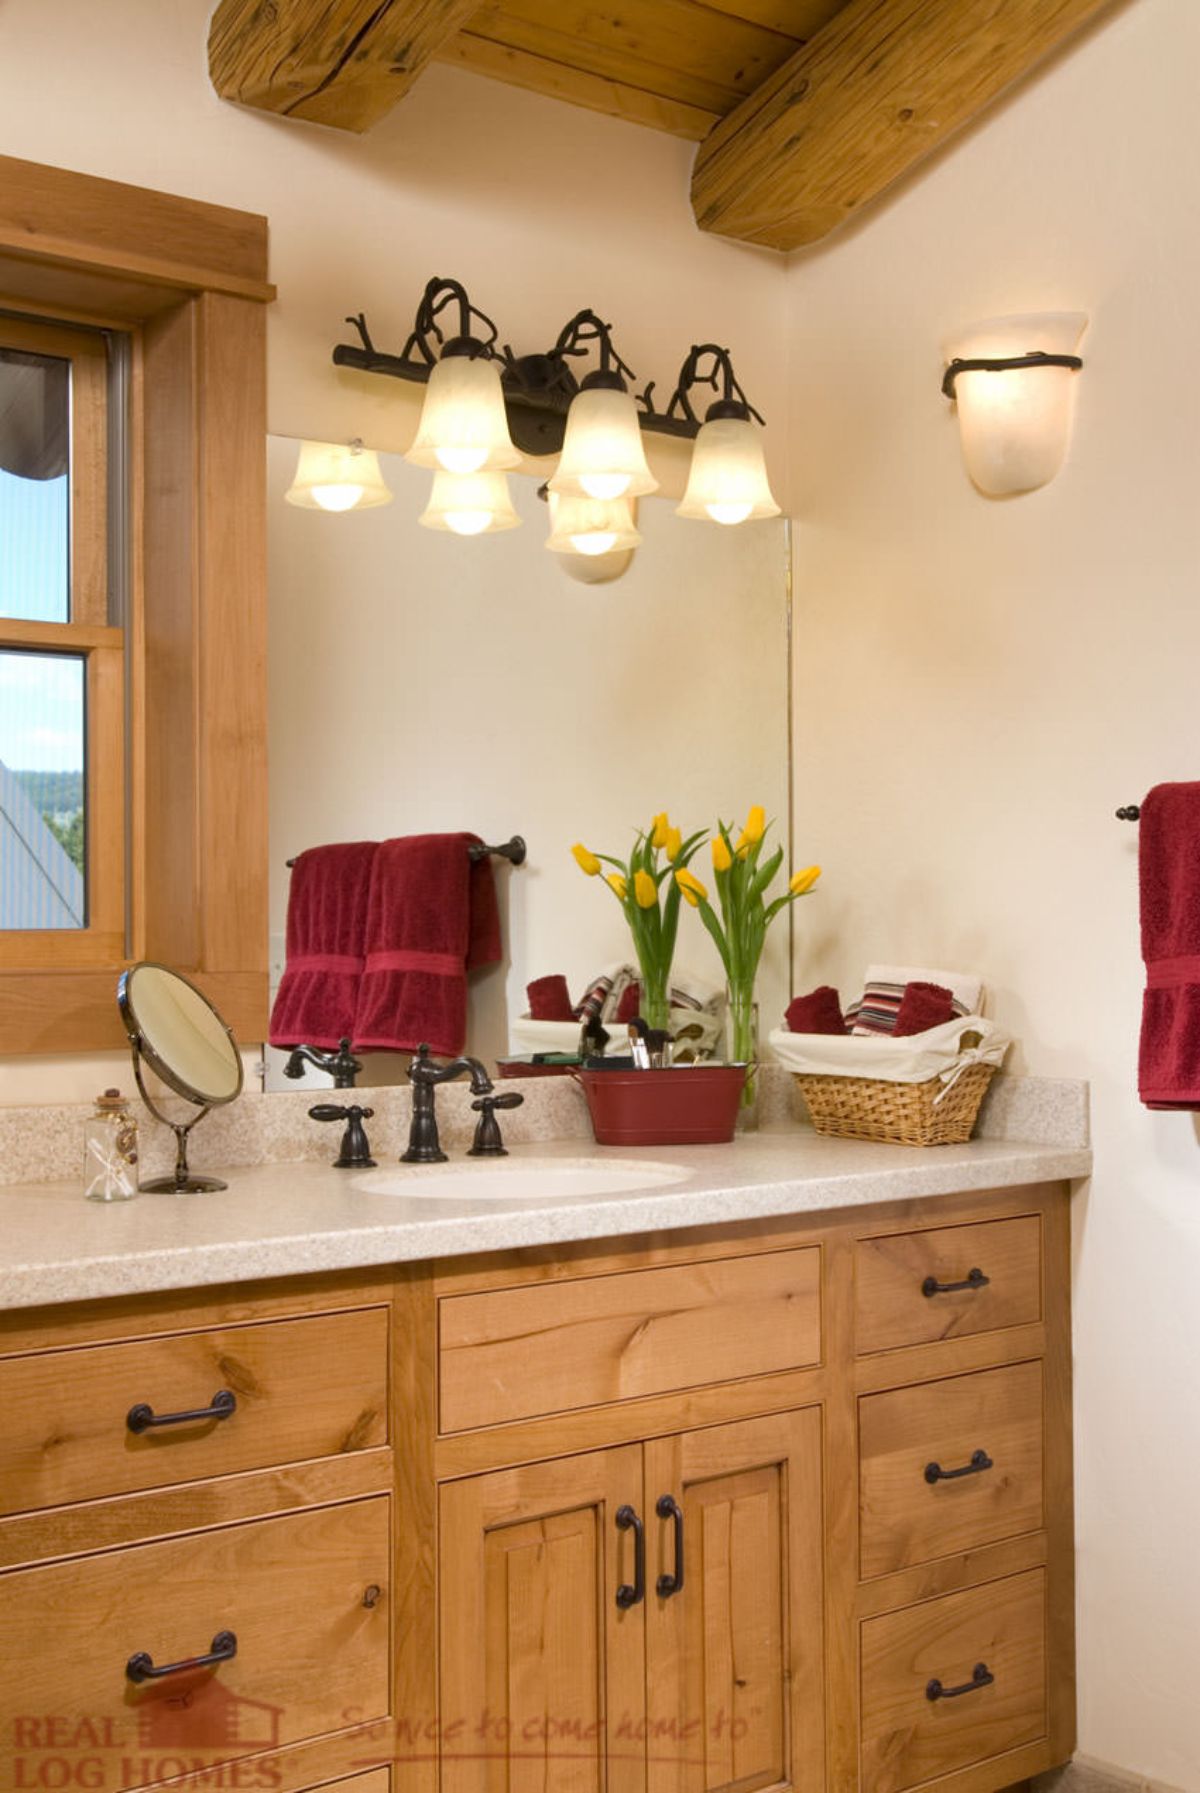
point(553, 1180)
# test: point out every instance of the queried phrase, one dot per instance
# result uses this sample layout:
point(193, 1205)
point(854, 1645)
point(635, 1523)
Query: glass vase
point(743, 1047)
point(655, 1002)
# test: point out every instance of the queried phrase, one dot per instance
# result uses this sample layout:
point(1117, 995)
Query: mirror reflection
point(423, 683)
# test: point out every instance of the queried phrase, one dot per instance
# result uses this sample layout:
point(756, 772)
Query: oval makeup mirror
point(176, 1030)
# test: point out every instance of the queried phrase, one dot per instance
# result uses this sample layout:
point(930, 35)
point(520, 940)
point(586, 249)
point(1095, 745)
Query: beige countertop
point(287, 1219)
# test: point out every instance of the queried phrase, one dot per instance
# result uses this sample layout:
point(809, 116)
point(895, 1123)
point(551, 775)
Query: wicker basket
point(901, 1114)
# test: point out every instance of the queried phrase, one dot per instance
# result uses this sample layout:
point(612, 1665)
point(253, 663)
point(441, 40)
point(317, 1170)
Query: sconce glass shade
point(1015, 423)
point(602, 452)
point(727, 482)
point(590, 526)
point(464, 426)
point(337, 476)
point(469, 504)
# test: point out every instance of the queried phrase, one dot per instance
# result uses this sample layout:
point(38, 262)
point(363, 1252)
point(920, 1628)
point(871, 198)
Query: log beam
point(878, 88)
point(343, 64)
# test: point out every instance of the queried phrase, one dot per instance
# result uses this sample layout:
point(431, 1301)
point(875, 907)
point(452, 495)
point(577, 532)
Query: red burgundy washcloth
point(317, 998)
point(630, 1005)
point(550, 999)
point(923, 1006)
point(431, 917)
point(818, 1012)
point(1169, 874)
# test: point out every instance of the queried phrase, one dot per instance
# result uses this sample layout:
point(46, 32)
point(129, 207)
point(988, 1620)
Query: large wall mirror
point(422, 682)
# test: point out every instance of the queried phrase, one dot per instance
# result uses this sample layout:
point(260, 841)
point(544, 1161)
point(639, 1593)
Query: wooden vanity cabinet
point(844, 1440)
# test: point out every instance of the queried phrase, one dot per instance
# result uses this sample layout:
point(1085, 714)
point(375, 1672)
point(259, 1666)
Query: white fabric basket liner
point(914, 1058)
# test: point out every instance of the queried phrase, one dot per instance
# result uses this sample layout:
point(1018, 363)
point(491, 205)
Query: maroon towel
point(818, 1012)
point(630, 1005)
point(923, 1006)
point(1169, 873)
point(549, 999)
point(326, 927)
point(431, 917)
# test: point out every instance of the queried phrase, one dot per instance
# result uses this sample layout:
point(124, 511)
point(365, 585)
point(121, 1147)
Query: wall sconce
point(469, 504)
point(595, 421)
point(337, 476)
point(1011, 380)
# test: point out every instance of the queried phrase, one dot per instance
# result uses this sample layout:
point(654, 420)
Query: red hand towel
point(431, 917)
point(923, 1006)
point(550, 999)
point(1169, 873)
point(818, 1012)
point(630, 1005)
point(326, 927)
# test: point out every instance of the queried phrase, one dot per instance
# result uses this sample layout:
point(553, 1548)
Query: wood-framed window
point(62, 654)
point(175, 675)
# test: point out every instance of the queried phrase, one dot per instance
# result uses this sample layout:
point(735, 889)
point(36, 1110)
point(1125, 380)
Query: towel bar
point(513, 850)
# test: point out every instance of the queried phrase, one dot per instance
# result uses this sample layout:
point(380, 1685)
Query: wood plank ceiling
point(804, 109)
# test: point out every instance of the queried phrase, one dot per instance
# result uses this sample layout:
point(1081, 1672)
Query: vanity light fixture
point(463, 427)
point(590, 526)
point(602, 454)
point(470, 504)
point(727, 482)
point(337, 476)
point(1012, 383)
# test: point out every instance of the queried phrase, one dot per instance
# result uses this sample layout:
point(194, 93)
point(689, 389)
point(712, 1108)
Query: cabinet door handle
point(667, 1507)
point(981, 1676)
point(974, 1279)
point(140, 1667)
point(627, 1520)
point(979, 1462)
point(142, 1417)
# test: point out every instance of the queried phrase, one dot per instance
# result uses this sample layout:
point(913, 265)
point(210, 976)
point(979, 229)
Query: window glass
point(42, 790)
point(35, 425)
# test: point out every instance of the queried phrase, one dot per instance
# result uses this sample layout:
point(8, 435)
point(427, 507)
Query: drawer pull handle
point(142, 1417)
point(981, 1676)
point(627, 1520)
point(141, 1666)
point(979, 1462)
point(667, 1507)
point(974, 1279)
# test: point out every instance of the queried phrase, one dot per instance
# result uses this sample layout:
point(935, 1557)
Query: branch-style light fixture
point(486, 406)
point(337, 476)
point(1012, 382)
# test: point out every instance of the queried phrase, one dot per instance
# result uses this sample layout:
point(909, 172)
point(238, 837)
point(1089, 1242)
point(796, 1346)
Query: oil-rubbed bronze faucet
point(342, 1065)
point(424, 1074)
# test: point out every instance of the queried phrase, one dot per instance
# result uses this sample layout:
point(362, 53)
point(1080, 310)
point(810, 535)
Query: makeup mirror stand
point(184, 1181)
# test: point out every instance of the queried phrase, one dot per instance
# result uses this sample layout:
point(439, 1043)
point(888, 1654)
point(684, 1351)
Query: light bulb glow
point(603, 456)
point(590, 526)
point(727, 480)
point(605, 485)
point(337, 498)
point(729, 513)
point(468, 522)
point(601, 541)
point(469, 503)
point(464, 426)
point(337, 476)
point(461, 460)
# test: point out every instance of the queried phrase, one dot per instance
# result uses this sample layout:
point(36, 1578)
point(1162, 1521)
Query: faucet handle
point(488, 1143)
point(355, 1153)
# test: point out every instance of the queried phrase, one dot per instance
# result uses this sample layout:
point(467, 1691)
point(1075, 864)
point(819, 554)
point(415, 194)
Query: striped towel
point(876, 1011)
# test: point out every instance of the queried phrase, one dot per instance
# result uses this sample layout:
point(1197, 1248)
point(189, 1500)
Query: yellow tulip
point(587, 862)
point(802, 881)
point(673, 844)
point(617, 884)
point(691, 887)
point(722, 857)
point(752, 833)
point(645, 890)
point(660, 831)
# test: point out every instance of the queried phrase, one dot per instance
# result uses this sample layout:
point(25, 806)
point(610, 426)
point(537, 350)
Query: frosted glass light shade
point(1015, 423)
point(727, 482)
point(602, 453)
point(464, 426)
point(469, 504)
point(590, 526)
point(337, 476)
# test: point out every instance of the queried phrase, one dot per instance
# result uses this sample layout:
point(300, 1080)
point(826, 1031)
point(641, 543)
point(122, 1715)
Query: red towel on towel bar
point(1169, 874)
point(317, 998)
point(432, 916)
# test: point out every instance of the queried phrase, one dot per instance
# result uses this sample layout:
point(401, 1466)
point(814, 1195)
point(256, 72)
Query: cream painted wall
point(539, 207)
point(980, 684)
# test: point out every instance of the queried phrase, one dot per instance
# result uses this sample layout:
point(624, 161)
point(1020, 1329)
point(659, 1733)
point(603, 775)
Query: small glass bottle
point(110, 1150)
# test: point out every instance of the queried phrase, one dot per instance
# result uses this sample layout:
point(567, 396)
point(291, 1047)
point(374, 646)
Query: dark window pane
point(42, 790)
point(35, 414)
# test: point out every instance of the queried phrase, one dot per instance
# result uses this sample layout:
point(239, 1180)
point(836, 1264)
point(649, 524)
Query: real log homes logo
point(205, 1731)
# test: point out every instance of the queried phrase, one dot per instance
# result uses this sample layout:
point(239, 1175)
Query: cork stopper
point(110, 1101)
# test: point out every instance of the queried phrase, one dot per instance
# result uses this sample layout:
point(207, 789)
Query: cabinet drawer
point(909, 1515)
point(907, 1736)
point(516, 1353)
point(303, 1388)
point(311, 1657)
point(892, 1274)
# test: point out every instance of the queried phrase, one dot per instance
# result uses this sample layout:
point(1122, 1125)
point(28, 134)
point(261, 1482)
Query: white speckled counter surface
point(291, 1218)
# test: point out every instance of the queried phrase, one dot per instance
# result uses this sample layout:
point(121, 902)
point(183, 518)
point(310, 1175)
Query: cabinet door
point(542, 1673)
point(734, 1657)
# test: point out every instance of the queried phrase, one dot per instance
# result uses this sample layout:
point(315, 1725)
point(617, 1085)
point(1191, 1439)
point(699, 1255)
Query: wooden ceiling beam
point(878, 88)
point(335, 62)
